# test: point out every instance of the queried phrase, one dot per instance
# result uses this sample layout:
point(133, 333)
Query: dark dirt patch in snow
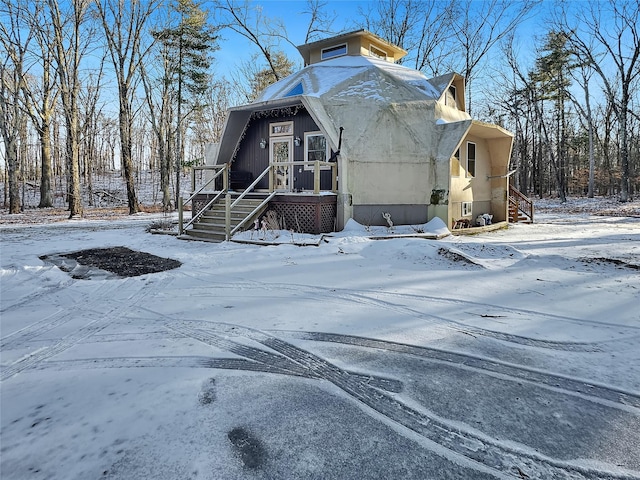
point(208, 393)
point(613, 261)
point(120, 261)
point(456, 257)
point(249, 448)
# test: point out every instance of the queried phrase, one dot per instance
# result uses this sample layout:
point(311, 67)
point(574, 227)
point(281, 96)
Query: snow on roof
point(320, 78)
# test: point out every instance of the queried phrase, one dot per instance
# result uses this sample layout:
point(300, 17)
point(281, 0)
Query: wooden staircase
point(520, 207)
point(211, 226)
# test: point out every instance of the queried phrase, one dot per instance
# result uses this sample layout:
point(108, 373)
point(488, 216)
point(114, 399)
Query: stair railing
point(221, 171)
point(269, 171)
point(229, 206)
point(521, 203)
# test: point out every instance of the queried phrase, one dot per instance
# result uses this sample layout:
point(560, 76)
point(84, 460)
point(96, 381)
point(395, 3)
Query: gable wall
point(252, 158)
point(478, 189)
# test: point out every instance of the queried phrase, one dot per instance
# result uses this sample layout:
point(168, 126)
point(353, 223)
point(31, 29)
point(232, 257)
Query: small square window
point(466, 209)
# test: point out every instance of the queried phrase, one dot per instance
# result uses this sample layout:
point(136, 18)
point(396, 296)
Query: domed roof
point(353, 77)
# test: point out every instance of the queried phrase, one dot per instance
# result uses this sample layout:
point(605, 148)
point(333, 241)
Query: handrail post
point(334, 177)
point(193, 179)
point(316, 177)
point(271, 179)
point(225, 178)
point(180, 217)
point(227, 216)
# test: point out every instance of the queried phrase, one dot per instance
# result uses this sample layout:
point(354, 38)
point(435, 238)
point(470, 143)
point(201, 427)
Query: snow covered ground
point(510, 354)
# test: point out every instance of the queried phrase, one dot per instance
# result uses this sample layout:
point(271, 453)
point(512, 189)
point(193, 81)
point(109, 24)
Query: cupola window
point(335, 51)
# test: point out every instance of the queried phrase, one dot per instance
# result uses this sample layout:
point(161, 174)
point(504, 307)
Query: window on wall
point(281, 129)
point(455, 164)
point(315, 149)
point(471, 159)
point(450, 97)
point(335, 51)
point(466, 209)
point(377, 53)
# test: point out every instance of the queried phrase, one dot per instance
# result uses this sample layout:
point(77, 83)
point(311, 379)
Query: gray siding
point(252, 158)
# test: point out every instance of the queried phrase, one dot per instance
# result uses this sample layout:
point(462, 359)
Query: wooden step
point(211, 226)
point(207, 236)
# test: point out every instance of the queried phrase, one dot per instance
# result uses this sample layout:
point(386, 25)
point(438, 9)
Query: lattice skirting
point(306, 217)
point(300, 213)
point(199, 203)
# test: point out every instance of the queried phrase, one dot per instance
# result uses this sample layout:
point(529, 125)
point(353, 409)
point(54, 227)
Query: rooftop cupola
point(360, 42)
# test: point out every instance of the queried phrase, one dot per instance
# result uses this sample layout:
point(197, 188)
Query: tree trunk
point(75, 198)
point(126, 151)
point(15, 205)
point(46, 194)
point(624, 145)
point(165, 170)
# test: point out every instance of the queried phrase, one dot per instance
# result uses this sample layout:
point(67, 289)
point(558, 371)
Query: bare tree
point(124, 26)
point(608, 33)
point(583, 76)
point(12, 75)
point(422, 27)
point(320, 21)
point(39, 92)
point(89, 129)
point(217, 103)
point(248, 20)
point(70, 41)
point(480, 25)
point(10, 116)
point(189, 44)
point(251, 76)
point(157, 96)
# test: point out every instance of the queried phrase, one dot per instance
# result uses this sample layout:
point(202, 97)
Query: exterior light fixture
point(296, 141)
point(263, 143)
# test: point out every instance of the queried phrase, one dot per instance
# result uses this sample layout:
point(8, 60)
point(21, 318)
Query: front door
point(281, 152)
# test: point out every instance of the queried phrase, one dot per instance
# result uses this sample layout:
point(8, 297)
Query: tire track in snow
point(360, 294)
point(34, 295)
point(279, 362)
point(445, 323)
point(284, 358)
point(88, 329)
point(376, 298)
point(461, 304)
point(610, 396)
point(26, 334)
point(164, 362)
point(485, 451)
point(31, 360)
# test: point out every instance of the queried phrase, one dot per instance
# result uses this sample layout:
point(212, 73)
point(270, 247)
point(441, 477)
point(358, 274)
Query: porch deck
point(217, 211)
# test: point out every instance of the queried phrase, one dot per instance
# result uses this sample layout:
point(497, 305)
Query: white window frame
point(475, 160)
point(306, 150)
point(379, 53)
point(466, 209)
point(327, 53)
point(286, 132)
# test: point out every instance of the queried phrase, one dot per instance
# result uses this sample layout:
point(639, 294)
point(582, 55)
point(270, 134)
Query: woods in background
point(90, 87)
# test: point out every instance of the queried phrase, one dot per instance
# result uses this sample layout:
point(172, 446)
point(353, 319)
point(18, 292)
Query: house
point(354, 135)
